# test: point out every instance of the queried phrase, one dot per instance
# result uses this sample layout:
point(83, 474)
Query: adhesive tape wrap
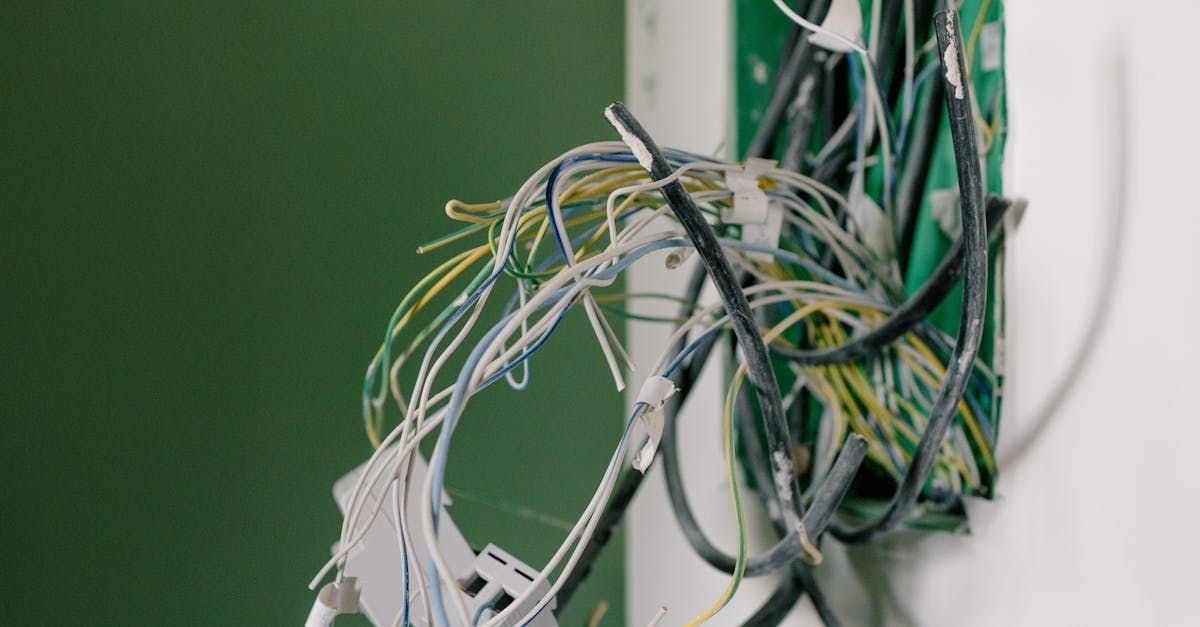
point(654, 393)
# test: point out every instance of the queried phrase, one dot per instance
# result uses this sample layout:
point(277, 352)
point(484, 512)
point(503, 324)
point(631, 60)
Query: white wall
point(1093, 522)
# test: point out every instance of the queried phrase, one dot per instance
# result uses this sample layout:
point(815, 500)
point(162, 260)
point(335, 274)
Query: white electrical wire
point(535, 314)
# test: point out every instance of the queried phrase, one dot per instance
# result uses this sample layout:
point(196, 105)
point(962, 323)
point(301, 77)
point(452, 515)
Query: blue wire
point(404, 574)
point(922, 76)
point(675, 157)
point(454, 405)
point(860, 118)
point(479, 612)
point(856, 69)
point(553, 179)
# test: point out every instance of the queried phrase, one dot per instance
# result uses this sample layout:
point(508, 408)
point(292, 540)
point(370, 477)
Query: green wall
point(209, 211)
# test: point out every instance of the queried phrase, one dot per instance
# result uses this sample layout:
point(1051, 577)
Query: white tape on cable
point(654, 393)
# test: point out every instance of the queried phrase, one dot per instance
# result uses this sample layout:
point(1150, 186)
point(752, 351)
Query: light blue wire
point(454, 406)
point(479, 612)
point(404, 574)
point(860, 119)
point(905, 124)
point(674, 157)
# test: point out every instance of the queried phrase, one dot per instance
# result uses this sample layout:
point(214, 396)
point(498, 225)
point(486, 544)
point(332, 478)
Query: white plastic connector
point(495, 579)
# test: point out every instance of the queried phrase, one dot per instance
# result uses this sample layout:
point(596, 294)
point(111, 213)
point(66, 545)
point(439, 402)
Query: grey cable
point(758, 361)
point(970, 332)
point(907, 315)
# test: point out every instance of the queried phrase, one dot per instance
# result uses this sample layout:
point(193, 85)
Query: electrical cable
point(824, 266)
point(631, 479)
point(786, 550)
point(800, 580)
point(970, 332)
point(912, 179)
point(779, 604)
point(908, 314)
point(758, 361)
point(801, 116)
point(797, 68)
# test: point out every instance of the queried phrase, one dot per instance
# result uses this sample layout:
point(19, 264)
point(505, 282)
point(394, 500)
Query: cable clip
point(654, 393)
point(761, 220)
point(749, 200)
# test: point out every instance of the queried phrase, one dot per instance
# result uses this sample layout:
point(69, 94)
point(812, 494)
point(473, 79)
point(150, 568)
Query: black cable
point(970, 331)
point(836, 158)
point(905, 317)
point(920, 141)
point(758, 361)
point(776, 607)
point(820, 603)
point(799, 64)
point(755, 457)
point(802, 113)
point(792, 586)
point(889, 39)
point(831, 491)
point(786, 550)
point(912, 180)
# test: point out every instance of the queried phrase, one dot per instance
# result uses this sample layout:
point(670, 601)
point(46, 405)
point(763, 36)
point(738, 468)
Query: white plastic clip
point(333, 599)
point(766, 234)
point(749, 200)
point(761, 220)
point(654, 393)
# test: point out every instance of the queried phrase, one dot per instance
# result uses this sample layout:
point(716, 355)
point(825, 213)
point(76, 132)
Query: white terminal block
point(376, 561)
point(495, 579)
point(376, 566)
